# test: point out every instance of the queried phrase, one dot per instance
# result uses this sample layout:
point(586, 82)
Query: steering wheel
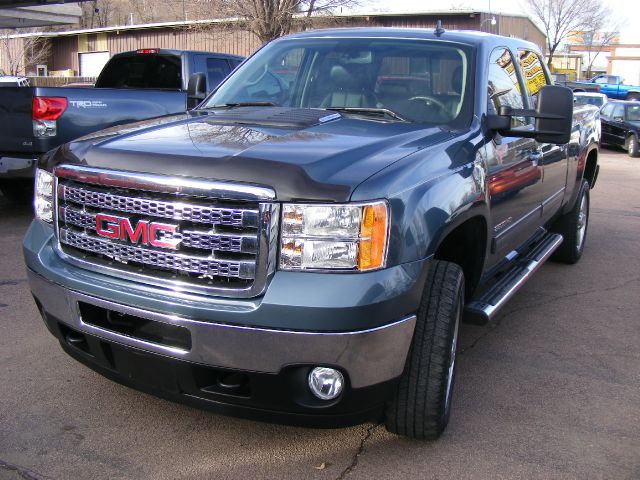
point(261, 75)
point(429, 101)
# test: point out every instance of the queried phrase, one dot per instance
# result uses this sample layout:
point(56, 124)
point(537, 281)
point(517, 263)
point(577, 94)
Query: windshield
point(416, 80)
point(633, 113)
point(584, 100)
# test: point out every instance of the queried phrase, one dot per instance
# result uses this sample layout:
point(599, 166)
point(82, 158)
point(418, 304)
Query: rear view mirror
point(196, 89)
point(553, 117)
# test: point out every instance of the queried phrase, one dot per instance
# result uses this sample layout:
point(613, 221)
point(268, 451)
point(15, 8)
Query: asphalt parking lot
point(549, 390)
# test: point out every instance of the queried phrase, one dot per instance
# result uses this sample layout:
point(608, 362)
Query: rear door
point(605, 122)
point(554, 159)
point(515, 173)
point(215, 69)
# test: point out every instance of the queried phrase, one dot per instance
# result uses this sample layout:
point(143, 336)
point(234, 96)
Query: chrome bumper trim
point(368, 356)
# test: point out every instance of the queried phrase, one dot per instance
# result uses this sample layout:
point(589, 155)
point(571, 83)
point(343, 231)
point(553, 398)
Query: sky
point(626, 12)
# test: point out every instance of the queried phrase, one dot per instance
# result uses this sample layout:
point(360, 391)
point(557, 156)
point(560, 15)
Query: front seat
point(346, 91)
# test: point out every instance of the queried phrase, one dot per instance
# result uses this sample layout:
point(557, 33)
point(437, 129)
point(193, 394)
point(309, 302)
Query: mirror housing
point(553, 117)
point(196, 89)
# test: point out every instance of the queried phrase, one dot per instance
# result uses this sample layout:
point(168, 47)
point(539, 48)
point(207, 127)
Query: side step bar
point(482, 309)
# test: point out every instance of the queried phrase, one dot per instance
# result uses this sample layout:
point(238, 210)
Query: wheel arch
point(591, 167)
point(465, 242)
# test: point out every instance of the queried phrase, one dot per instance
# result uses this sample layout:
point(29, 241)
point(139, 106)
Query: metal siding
point(238, 42)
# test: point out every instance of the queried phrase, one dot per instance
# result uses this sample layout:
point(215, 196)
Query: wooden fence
point(58, 81)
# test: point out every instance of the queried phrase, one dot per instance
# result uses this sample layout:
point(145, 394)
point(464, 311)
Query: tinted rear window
point(142, 71)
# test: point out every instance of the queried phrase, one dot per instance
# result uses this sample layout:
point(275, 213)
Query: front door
point(553, 158)
point(515, 173)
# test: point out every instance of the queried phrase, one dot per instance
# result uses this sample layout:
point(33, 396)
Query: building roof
point(38, 16)
point(189, 23)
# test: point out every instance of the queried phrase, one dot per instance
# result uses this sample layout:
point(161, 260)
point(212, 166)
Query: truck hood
point(320, 156)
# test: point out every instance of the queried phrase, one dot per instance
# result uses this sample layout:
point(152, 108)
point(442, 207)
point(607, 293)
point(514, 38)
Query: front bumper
point(217, 336)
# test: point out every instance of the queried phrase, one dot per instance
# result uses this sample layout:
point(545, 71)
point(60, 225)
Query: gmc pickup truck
point(132, 86)
point(303, 246)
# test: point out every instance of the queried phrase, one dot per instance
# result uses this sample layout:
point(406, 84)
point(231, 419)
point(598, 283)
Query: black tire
point(570, 226)
point(18, 191)
point(633, 149)
point(422, 403)
point(634, 97)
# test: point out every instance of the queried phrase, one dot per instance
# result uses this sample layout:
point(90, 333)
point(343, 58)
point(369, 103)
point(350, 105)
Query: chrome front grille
point(213, 237)
point(236, 217)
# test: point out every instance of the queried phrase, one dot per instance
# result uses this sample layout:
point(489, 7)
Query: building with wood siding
point(83, 52)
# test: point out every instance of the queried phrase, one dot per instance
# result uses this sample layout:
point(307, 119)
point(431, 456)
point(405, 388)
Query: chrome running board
point(482, 309)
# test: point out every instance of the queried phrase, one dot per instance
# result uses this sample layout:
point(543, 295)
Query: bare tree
point(20, 53)
point(559, 18)
point(599, 33)
point(266, 19)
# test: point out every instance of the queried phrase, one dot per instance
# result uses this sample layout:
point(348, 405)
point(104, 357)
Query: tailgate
point(92, 109)
point(87, 110)
point(16, 130)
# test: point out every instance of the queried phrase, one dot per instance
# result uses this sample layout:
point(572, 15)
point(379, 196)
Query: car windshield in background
point(584, 100)
point(142, 71)
point(414, 80)
point(633, 113)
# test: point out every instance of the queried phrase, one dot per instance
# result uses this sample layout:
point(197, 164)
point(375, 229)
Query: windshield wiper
point(369, 111)
point(243, 104)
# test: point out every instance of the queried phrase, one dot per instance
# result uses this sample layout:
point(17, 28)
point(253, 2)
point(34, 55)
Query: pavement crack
point(14, 281)
point(354, 461)
point(21, 471)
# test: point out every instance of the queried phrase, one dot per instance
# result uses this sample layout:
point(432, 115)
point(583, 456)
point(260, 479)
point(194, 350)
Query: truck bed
point(87, 110)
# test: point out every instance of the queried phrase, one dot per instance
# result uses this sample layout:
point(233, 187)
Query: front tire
point(422, 403)
point(633, 149)
point(573, 228)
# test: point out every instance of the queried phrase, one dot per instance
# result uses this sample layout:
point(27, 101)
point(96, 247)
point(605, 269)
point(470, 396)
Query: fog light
point(326, 383)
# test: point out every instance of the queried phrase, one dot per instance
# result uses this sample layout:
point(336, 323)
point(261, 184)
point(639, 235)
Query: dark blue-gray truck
point(132, 86)
point(303, 246)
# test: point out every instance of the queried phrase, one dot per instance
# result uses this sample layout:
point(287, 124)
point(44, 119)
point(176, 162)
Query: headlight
point(44, 195)
point(334, 237)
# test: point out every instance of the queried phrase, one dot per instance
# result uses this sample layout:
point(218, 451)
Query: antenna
point(439, 30)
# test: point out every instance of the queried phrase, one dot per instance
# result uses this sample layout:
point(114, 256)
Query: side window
point(533, 73)
point(607, 109)
point(504, 86)
point(618, 113)
point(633, 113)
point(217, 69)
point(601, 80)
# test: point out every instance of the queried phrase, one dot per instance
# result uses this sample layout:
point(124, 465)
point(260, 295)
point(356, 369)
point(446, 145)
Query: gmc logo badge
point(144, 233)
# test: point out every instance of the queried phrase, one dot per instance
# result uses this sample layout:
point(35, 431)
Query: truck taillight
point(44, 113)
point(48, 108)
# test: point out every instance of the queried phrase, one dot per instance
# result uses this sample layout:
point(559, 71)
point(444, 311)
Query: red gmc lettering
point(144, 233)
point(161, 227)
point(112, 229)
point(133, 235)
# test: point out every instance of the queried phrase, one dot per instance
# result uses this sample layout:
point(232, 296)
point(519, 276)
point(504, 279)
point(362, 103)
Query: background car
point(11, 81)
point(621, 125)
point(590, 98)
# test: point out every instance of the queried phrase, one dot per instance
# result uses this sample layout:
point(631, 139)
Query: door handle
point(535, 158)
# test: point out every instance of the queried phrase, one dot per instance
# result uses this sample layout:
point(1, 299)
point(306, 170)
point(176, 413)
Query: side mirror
point(553, 117)
point(196, 89)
